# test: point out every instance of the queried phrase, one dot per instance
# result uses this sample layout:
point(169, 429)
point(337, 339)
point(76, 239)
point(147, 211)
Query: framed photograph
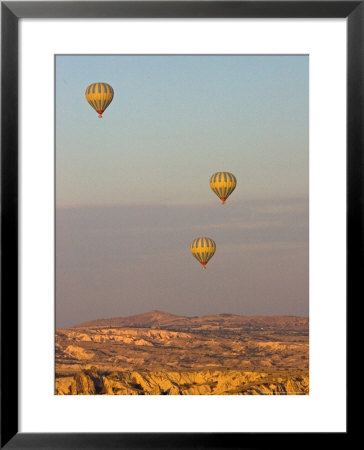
point(182, 221)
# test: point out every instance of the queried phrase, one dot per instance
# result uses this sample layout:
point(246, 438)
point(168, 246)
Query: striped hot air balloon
point(99, 96)
point(203, 250)
point(223, 184)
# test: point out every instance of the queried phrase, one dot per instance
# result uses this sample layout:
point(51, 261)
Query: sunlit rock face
point(210, 382)
point(164, 354)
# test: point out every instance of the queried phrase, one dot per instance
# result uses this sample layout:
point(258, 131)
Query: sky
point(132, 188)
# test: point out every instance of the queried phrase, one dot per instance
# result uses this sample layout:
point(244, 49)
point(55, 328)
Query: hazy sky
point(133, 188)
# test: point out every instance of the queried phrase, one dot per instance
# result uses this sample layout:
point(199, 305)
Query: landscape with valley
point(158, 353)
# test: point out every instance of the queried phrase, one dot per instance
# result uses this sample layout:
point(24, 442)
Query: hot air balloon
point(203, 250)
point(223, 184)
point(99, 96)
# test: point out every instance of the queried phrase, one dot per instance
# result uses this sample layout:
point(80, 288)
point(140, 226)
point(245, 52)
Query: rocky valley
point(163, 354)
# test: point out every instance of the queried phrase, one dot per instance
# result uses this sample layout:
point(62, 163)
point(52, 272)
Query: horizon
point(184, 316)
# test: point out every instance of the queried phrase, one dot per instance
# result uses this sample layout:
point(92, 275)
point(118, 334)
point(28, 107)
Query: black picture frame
point(11, 12)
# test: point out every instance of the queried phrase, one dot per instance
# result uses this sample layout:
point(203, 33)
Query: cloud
point(145, 218)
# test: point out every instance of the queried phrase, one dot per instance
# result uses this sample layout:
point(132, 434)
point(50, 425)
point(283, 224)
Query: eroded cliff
point(228, 382)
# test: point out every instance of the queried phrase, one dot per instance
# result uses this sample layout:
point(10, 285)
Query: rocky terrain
point(210, 382)
point(160, 353)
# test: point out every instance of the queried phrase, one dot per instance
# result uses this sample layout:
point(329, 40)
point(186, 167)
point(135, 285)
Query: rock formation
point(163, 354)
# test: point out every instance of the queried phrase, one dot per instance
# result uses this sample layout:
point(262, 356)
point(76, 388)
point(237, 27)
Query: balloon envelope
point(99, 96)
point(223, 184)
point(203, 249)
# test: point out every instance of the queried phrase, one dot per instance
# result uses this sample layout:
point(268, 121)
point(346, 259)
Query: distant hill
point(161, 320)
